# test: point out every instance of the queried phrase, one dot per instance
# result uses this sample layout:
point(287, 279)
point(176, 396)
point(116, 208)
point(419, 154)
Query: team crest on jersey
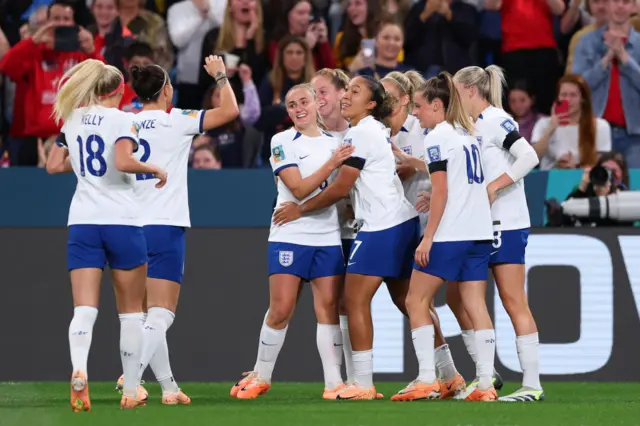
point(190, 112)
point(434, 153)
point(135, 128)
point(285, 258)
point(347, 141)
point(508, 126)
point(278, 153)
point(426, 132)
point(479, 139)
point(407, 149)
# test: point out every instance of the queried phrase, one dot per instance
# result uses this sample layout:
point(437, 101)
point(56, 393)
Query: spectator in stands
point(242, 35)
point(443, 35)
point(137, 54)
point(529, 49)
point(148, 27)
point(361, 20)
point(608, 58)
point(229, 137)
point(206, 157)
point(189, 22)
point(572, 139)
point(298, 19)
point(109, 37)
point(294, 65)
point(388, 44)
point(521, 105)
point(396, 9)
point(37, 66)
point(598, 10)
point(574, 18)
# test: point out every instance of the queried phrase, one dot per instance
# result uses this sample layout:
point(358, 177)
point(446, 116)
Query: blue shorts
point(459, 260)
point(509, 246)
point(95, 246)
point(166, 250)
point(346, 249)
point(306, 262)
point(387, 253)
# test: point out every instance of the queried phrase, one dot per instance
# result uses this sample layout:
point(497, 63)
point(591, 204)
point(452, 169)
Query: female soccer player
point(303, 159)
point(407, 137)
point(389, 232)
point(165, 139)
point(456, 244)
point(508, 158)
point(97, 142)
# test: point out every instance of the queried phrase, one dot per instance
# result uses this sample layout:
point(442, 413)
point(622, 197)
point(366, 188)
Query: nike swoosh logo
point(341, 397)
point(351, 263)
point(494, 252)
point(336, 344)
point(302, 158)
point(449, 387)
point(266, 344)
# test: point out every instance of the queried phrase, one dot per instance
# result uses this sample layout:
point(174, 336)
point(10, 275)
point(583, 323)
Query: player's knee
point(279, 314)
point(326, 310)
point(514, 303)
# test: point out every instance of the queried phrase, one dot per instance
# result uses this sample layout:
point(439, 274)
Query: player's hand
point(340, 155)
point(492, 192)
point(214, 65)
point(422, 252)
point(162, 175)
point(423, 204)
point(286, 212)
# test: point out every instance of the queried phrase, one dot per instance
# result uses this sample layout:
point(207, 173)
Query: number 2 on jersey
point(146, 153)
point(92, 156)
point(475, 174)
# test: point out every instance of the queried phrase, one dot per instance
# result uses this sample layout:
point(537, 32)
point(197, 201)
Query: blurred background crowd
point(573, 66)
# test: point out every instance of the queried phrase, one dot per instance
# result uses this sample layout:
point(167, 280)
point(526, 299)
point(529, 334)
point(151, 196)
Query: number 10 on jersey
point(475, 174)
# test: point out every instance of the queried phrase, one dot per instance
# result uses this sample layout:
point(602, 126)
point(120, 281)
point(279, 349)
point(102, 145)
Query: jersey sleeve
point(357, 139)
point(128, 129)
point(436, 152)
point(505, 132)
point(282, 153)
point(190, 121)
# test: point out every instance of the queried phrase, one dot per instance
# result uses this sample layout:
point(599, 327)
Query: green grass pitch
point(300, 404)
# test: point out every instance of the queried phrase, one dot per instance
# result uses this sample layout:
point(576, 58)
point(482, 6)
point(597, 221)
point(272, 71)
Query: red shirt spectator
point(526, 24)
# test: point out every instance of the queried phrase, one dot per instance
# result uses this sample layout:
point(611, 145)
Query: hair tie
point(118, 89)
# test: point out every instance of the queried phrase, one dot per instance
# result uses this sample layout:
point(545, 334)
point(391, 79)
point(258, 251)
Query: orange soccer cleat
point(129, 403)
point(178, 398)
point(254, 388)
point(453, 387)
point(246, 378)
point(333, 393)
point(418, 390)
point(483, 395)
point(80, 392)
point(355, 392)
point(142, 392)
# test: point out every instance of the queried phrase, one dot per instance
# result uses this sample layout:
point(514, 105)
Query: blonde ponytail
point(455, 114)
point(489, 81)
point(404, 85)
point(84, 85)
point(417, 80)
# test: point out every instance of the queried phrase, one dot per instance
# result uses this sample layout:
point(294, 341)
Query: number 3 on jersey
point(146, 153)
point(475, 174)
point(93, 156)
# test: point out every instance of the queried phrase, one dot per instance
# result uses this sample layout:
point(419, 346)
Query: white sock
point(347, 349)
point(154, 337)
point(162, 368)
point(130, 350)
point(444, 363)
point(327, 338)
point(80, 333)
point(363, 368)
point(423, 341)
point(264, 321)
point(529, 355)
point(271, 342)
point(469, 339)
point(486, 346)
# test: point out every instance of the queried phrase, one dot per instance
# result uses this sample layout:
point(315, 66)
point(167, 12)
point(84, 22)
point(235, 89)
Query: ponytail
point(84, 85)
point(403, 83)
point(489, 81)
point(442, 87)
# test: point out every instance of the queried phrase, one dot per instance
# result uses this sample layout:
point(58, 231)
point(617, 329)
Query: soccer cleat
point(129, 403)
point(453, 387)
point(355, 392)
point(80, 392)
point(417, 390)
point(332, 393)
point(496, 380)
point(246, 378)
point(254, 388)
point(177, 398)
point(482, 395)
point(524, 394)
point(143, 395)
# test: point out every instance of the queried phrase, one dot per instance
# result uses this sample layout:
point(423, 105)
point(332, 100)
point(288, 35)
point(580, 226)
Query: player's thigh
point(284, 290)
point(162, 293)
point(129, 286)
point(85, 286)
point(326, 295)
point(359, 291)
point(510, 280)
point(398, 289)
point(422, 288)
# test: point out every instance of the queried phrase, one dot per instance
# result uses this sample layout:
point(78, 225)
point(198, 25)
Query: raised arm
point(228, 109)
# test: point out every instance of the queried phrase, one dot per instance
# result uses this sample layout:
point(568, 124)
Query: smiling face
point(389, 42)
point(430, 114)
point(328, 97)
point(302, 108)
point(105, 12)
point(356, 101)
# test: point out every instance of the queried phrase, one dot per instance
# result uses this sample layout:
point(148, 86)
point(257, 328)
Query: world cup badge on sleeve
point(286, 258)
point(278, 153)
point(347, 141)
point(434, 153)
point(508, 126)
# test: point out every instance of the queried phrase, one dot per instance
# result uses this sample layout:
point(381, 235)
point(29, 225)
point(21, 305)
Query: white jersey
point(410, 139)
point(378, 195)
point(510, 210)
point(467, 215)
point(293, 149)
point(165, 140)
point(104, 195)
point(345, 207)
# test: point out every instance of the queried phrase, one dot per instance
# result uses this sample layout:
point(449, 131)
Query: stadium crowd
point(583, 52)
